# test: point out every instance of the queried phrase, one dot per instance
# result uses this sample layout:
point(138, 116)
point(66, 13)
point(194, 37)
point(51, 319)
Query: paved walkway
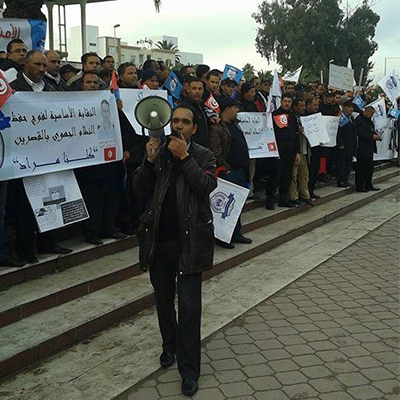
point(333, 334)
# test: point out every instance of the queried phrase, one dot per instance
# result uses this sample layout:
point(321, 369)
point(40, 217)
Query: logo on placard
point(110, 154)
point(231, 73)
point(272, 146)
point(391, 83)
point(3, 87)
point(379, 111)
point(173, 84)
point(222, 204)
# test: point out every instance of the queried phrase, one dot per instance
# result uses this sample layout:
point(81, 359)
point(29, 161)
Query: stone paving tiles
point(331, 335)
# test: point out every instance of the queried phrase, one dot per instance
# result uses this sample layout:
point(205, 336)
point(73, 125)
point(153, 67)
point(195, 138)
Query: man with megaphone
point(176, 237)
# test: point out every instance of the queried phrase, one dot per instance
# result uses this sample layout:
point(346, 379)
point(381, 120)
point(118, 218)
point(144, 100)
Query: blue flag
point(394, 113)
point(173, 85)
point(343, 120)
point(232, 73)
point(359, 102)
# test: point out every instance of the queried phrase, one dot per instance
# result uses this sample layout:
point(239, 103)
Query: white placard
point(55, 199)
point(385, 146)
point(259, 134)
point(315, 130)
point(55, 131)
point(131, 97)
point(390, 84)
point(227, 202)
point(341, 77)
point(331, 125)
point(379, 119)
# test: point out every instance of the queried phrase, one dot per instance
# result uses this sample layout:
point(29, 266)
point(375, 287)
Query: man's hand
point(119, 104)
point(178, 147)
point(126, 156)
point(301, 130)
point(215, 120)
point(376, 137)
point(297, 158)
point(152, 149)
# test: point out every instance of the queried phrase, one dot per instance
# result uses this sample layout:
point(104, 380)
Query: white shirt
point(36, 87)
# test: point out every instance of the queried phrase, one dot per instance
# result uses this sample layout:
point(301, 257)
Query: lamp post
point(115, 43)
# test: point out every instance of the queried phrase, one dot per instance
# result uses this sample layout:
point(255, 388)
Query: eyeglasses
point(22, 51)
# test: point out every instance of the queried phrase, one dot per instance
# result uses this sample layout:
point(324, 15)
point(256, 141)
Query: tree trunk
point(24, 9)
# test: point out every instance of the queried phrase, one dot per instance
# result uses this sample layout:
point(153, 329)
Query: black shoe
point(128, 231)
point(9, 261)
point(241, 239)
point(167, 359)
point(269, 205)
point(314, 196)
point(31, 259)
point(348, 183)
point(373, 188)
point(224, 245)
point(255, 197)
point(362, 190)
point(307, 201)
point(297, 202)
point(189, 387)
point(115, 235)
point(56, 250)
point(286, 204)
point(342, 185)
point(96, 241)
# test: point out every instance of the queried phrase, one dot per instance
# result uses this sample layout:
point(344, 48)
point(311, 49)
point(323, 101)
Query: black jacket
point(285, 128)
point(21, 85)
point(195, 182)
point(201, 135)
point(346, 141)
point(59, 86)
point(365, 130)
point(327, 109)
point(248, 106)
point(6, 64)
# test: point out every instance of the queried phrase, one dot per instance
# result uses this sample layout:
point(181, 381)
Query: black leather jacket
point(195, 182)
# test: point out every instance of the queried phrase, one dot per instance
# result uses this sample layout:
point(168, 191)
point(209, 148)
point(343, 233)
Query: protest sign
point(259, 134)
point(52, 131)
point(394, 113)
point(386, 146)
point(131, 97)
point(227, 201)
point(55, 199)
point(31, 32)
point(293, 76)
point(379, 119)
point(390, 84)
point(173, 85)
point(341, 77)
point(331, 126)
point(315, 130)
point(231, 72)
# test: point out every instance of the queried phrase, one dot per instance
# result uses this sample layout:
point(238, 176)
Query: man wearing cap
point(229, 146)
point(227, 89)
point(248, 95)
point(52, 75)
point(149, 79)
point(346, 144)
point(67, 71)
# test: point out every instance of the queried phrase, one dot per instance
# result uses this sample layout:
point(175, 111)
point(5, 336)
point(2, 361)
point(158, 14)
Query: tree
point(313, 32)
point(248, 71)
point(265, 75)
point(168, 45)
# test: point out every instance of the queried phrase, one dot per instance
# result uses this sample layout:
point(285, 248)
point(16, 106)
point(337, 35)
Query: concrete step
point(47, 332)
point(23, 300)
point(107, 364)
point(83, 252)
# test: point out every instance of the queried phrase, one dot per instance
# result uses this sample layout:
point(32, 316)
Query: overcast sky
point(223, 31)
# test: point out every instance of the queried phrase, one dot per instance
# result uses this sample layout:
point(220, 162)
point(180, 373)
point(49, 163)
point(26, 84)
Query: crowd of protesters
point(115, 210)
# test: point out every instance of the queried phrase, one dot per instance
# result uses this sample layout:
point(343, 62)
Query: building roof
point(72, 2)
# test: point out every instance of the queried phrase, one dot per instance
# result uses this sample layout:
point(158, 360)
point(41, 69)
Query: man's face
point(309, 95)
point(250, 95)
point(348, 110)
point(53, 63)
point(130, 77)
point(299, 108)
point(337, 98)
point(369, 113)
point(195, 91)
point(155, 67)
point(90, 82)
point(257, 83)
point(36, 67)
point(232, 112)
point(265, 87)
point(182, 122)
point(312, 107)
point(92, 64)
point(109, 64)
point(319, 89)
point(151, 83)
point(350, 94)
point(212, 83)
point(286, 103)
point(105, 111)
point(328, 100)
point(228, 89)
point(290, 88)
point(17, 53)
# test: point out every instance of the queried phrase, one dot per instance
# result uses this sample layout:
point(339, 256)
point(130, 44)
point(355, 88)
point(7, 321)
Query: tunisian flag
point(5, 90)
point(212, 104)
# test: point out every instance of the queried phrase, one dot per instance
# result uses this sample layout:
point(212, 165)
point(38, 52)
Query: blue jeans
point(3, 199)
point(238, 177)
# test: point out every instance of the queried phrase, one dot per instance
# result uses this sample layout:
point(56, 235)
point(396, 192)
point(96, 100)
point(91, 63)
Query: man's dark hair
point(124, 66)
point(289, 84)
point(87, 55)
point(266, 81)
point(299, 95)
point(191, 109)
point(184, 68)
point(148, 64)
point(14, 41)
point(193, 79)
point(105, 58)
point(213, 72)
point(104, 74)
point(31, 53)
point(88, 73)
point(320, 84)
point(296, 101)
point(287, 96)
point(309, 101)
point(308, 89)
point(253, 79)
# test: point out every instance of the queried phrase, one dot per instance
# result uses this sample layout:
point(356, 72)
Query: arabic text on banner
point(227, 202)
point(55, 199)
point(259, 134)
point(315, 130)
point(52, 131)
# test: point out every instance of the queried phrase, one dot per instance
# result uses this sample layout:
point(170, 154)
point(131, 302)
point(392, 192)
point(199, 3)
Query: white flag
point(227, 202)
point(293, 76)
point(349, 66)
point(275, 94)
point(379, 118)
point(390, 84)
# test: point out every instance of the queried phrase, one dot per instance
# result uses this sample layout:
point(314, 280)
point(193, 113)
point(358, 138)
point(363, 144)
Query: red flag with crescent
point(5, 90)
point(281, 120)
point(212, 104)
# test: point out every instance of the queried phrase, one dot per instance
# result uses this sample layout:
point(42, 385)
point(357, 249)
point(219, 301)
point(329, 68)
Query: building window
point(111, 50)
point(141, 58)
point(148, 57)
point(133, 59)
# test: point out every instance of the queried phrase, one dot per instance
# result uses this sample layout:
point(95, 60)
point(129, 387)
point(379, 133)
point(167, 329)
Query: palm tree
point(265, 74)
point(248, 72)
point(168, 45)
